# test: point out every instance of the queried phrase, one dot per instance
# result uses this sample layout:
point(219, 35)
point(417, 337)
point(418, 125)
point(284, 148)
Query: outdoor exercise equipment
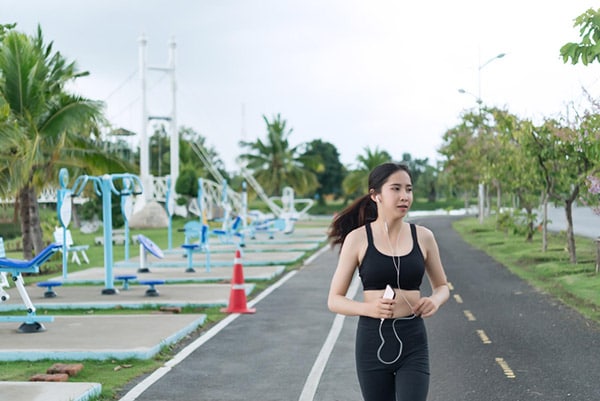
point(169, 207)
point(4, 296)
point(287, 211)
point(49, 286)
point(30, 323)
point(195, 230)
point(104, 186)
point(125, 278)
point(231, 226)
point(147, 246)
point(63, 235)
point(264, 224)
point(127, 211)
point(152, 291)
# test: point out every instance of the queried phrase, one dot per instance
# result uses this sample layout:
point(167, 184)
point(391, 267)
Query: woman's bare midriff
point(401, 308)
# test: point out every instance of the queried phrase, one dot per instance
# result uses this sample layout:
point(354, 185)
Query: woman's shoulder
point(424, 233)
point(356, 236)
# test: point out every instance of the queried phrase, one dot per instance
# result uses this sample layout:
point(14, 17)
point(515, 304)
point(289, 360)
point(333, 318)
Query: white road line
point(314, 377)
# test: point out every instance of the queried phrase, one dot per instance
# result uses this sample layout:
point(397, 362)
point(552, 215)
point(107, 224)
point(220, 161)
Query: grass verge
point(576, 285)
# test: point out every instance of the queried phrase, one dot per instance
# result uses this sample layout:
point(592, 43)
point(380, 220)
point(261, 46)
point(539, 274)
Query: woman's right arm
point(347, 264)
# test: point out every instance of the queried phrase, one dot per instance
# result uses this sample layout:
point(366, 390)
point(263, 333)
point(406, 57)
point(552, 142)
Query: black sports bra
point(377, 270)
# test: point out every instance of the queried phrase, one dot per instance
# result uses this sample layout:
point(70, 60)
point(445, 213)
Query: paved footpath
point(496, 339)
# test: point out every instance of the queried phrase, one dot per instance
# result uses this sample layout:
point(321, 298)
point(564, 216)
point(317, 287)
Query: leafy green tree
point(356, 182)
point(424, 176)
point(588, 50)
point(275, 164)
point(5, 28)
point(187, 183)
point(330, 172)
point(518, 173)
point(562, 154)
point(462, 164)
point(160, 159)
point(53, 126)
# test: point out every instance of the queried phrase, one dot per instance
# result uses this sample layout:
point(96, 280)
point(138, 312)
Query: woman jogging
point(392, 357)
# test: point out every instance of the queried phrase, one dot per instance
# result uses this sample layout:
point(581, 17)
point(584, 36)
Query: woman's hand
point(383, 308)
point(426, 307)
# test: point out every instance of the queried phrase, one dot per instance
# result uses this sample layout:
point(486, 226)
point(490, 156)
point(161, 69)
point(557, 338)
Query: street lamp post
point(481, 66)
point(481, 186)
point(478, 98)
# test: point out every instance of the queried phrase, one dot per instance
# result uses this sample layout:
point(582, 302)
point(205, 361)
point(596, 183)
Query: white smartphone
point(389, 292)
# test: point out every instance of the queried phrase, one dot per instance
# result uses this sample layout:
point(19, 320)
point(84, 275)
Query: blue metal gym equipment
point(104, 186)
point(30, 323)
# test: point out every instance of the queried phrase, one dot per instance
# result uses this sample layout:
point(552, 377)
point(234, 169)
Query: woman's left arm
point(427, 306)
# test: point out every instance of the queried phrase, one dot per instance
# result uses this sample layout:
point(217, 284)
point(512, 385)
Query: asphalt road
point(496, 339)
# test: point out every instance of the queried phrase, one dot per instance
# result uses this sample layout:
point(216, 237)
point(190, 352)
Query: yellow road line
point(469, 315)
point(508, 372)
point(484, 338)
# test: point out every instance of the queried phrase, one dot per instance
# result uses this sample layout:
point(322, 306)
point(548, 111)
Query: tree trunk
point(570, 234)
point(498, 197)
point(33, 241)
point(597, 254)
point(530, 224)
point(432, 195)
point(488, 201)
point(26, 236)
point(545, 222)
point(16, 210)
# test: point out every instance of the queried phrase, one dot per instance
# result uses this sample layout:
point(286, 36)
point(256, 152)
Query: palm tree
point(55, 129)
point(275, 164)
point(356, 181)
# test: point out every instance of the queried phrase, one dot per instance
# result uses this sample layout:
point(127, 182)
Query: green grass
point(118, 373)
point(576, 285)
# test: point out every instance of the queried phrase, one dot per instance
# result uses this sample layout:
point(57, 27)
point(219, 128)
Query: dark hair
point(363, 209)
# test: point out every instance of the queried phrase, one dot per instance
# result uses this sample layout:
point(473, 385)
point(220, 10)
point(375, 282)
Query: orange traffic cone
point(237, 295)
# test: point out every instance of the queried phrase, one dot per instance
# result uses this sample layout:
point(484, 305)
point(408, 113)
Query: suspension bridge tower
point(170, 119)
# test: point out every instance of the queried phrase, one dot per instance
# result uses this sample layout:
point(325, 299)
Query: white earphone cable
point(396, 261)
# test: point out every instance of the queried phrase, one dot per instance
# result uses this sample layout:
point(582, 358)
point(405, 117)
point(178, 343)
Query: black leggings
point(407, 379)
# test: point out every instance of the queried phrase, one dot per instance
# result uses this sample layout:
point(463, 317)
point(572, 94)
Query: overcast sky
point(380, 73)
